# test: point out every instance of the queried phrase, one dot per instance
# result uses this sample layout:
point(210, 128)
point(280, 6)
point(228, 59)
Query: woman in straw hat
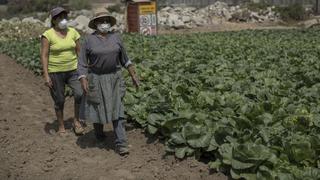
point(59, 50)
point(102, 56)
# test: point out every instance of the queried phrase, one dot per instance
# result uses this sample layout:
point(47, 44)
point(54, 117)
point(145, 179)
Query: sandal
point(78, 130)
point(122, 151)
point(62, 133)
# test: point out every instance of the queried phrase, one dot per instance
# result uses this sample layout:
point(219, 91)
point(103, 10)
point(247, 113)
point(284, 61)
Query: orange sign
point(147, 9)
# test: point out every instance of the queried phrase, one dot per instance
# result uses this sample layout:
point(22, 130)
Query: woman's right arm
point(44, 60)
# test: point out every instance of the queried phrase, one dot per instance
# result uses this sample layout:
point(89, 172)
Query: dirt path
point(30, 149)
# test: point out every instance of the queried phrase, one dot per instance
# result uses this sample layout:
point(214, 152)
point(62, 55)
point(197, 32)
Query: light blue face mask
point(104, 27)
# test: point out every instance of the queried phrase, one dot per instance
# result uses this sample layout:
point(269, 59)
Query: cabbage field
point(248, 101)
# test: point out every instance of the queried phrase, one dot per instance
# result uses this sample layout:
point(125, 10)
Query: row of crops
point(248, 101)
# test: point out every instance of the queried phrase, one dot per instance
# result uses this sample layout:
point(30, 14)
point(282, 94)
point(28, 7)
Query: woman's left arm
point(126, 62)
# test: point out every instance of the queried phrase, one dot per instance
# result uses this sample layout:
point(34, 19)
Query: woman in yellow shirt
point(59, 51)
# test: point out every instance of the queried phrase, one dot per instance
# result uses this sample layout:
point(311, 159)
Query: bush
point(3, 11)
point(28, 6)
point(115, 8)
point(258, 6)
point(20, 31)
point(292, 12)
point(15, 6)
point(79, 4)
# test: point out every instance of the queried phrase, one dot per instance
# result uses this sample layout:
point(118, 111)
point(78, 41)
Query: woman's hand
point(135, 81)
point(48, 81)
point(84, 85)
point(133, 75)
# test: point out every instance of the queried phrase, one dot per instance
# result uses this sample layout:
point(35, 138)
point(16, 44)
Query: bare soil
point(31, 149)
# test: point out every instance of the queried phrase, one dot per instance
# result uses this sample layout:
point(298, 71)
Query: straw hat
point(102, 15)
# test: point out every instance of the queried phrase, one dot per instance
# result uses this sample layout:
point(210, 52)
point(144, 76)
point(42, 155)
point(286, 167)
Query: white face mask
point(63, 24)
point(104, 28)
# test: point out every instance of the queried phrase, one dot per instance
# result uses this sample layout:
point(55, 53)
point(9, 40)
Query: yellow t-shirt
point(62, 51)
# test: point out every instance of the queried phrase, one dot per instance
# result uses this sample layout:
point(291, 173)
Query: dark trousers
point(118, 129)
point(59, 81)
